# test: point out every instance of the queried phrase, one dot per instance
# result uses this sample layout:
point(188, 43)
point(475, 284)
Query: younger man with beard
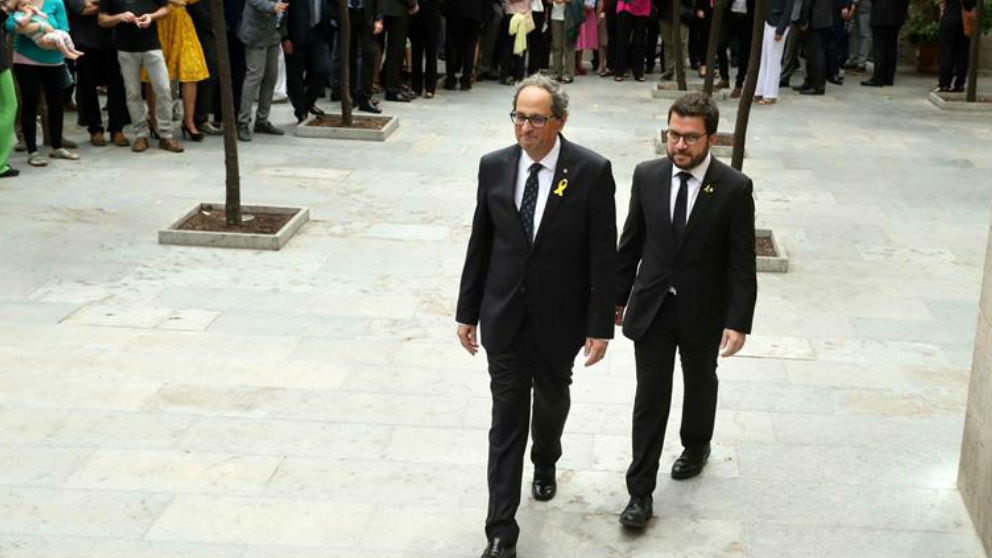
point(687, 279)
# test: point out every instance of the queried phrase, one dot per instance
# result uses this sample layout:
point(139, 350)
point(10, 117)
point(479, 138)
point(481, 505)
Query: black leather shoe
point(871, 83)
point(801, 86)
point(498, 549)
point(690, 463)
point(812, 91)
point(836, 80)
point(545, 484)
point(369, 107)
point(450, 85)
point(397, 97)
point(637, 513)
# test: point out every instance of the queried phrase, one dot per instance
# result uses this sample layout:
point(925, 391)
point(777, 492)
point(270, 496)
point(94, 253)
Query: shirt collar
point(549, 162)
point(699, 171)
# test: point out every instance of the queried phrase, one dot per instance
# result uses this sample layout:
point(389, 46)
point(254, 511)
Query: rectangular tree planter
point(722, 151)
point(173, 235)
point(956, 102)
point(670, 90)
point(306, 129)
point(779, 263)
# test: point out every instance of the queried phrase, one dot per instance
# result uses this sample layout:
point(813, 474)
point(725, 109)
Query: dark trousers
point(630, 47)
point(308, 68)
point(737, 32)
point(425, 28)
point(95, 67)
point(815, 50)
point(652, 29)
point(396, 33)
point(510, 65)
point(836, 47)
point(790, 54)
point(953, 45)
point(363, 47)
point(203, 24)
point(236, 54)
point(33, 82)
point(613, 34)
point(513, 372)
point(462, 38)
point(655, 357)
point(885, 46)
point(538, 45)
point(699, 33)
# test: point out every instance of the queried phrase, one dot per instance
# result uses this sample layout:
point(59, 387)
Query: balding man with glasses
point(540, 275)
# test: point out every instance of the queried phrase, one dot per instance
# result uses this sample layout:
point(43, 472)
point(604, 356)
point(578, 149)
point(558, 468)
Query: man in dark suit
point(308, 53)
point(689, 240)
point(816, 21)
point(365, 25)
point(395, 16)
point(887, 16)
point(463, 19)
point(539, 273)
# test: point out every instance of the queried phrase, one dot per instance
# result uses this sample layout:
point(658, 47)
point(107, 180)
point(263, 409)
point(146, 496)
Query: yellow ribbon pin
point(708, 189)
point(560, 190)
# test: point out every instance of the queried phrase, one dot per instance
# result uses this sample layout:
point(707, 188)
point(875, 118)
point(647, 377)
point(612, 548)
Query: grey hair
point(559, 99)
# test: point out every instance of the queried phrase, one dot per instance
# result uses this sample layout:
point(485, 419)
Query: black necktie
point(529, 203)
point(681, 203)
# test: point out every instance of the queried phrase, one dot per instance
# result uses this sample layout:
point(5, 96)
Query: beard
point(693, 162)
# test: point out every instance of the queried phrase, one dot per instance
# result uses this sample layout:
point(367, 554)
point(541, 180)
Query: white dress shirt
point(695, 183)
point(544, 178)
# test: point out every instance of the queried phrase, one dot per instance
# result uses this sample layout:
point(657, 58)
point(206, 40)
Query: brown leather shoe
point(97, 139)
point(139, 145)
point(170, 145)
point(736, 93)
point(119, 139)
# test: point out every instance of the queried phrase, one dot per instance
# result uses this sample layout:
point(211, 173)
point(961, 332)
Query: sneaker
point(36, 160)
point(266, 127)
point(243, 133)
point(63, 153)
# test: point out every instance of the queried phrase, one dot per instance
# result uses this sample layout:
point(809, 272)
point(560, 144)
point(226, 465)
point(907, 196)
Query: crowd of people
point(157, 63)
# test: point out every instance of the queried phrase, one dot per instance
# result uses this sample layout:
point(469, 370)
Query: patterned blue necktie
point(529, 203)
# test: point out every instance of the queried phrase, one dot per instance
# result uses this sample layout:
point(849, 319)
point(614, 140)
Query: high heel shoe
point(195, 136)
point(153, 132)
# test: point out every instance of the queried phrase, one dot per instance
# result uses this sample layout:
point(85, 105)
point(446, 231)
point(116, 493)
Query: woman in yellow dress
point(184, 60)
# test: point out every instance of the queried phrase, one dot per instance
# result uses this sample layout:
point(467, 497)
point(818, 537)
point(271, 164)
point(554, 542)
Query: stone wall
point(975, 473)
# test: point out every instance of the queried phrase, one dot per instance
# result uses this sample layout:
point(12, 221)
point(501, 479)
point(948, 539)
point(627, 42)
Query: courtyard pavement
point(160, 401)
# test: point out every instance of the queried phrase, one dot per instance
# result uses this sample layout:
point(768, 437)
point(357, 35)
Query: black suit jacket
point(298, 19)
point(889, 13)
point(818, 14)
point(713, 268)
point(566, 280)
point(395, 8)
point(476, 10)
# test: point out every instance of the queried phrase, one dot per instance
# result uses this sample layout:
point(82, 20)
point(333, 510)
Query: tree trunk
point(716, 27)
point(232, 206)
point(676, 39)
point(974, 55)
point(344, 47)
point(750, 82)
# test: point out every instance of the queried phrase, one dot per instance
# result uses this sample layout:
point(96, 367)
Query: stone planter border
point(174, 236)
point(956, 102)
point(304, 130)
point(670, 90)
point(772, 264)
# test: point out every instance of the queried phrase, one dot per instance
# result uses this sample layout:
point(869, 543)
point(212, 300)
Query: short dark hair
point(697, 104)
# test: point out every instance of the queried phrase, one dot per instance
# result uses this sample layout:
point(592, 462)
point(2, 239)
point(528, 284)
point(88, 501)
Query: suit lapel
point(562, 173)
point(703, 199)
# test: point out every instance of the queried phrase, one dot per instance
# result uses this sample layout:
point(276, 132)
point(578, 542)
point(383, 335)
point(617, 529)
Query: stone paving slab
point(171, 401)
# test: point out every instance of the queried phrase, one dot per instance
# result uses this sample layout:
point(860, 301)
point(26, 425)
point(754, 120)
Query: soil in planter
point(251, 223)
point(722, 139)
point(763, 247)
point(358, 122)
point(961, 98)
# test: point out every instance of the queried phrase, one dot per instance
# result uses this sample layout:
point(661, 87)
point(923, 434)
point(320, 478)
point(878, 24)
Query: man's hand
point(377, 27)
point(414, 9)
point(128, 17)
point(700, 14)
point(287, 47)
point(468, 338)
point(732, 342)
point(778, 37)
point(618, 316)
point(143, 21)
point(90, 7)
point(595, 349)
point(280, 7)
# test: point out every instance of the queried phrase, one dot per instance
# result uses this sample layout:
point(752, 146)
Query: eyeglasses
point(536, 120)
point(690, 139)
